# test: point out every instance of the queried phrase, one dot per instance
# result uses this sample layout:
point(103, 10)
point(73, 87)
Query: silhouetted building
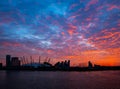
point(47, 64)
point(15, 62)
point(0, 65)
point(97, 66)
point(8, 60)
point(57, 65)
point(68, 63)
point(63, 65)
point(90, 64)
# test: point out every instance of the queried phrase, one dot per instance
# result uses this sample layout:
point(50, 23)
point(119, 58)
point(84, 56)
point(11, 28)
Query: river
point(59, 80)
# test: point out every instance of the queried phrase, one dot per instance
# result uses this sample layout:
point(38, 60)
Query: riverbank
point(62, 69)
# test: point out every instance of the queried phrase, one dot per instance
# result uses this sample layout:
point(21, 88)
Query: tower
point(8, 60)
point(90, 64)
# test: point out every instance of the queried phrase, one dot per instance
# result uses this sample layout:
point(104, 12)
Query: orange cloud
point(106, 39)
point(70, 32)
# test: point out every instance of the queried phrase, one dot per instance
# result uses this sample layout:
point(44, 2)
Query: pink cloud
point(73, 6)
point(88, 19)
point(99, 8)
point(11, 44)
point(92, 2)
point(112, 7)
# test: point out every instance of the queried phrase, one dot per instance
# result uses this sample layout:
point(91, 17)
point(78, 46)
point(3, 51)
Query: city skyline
point(78, 30)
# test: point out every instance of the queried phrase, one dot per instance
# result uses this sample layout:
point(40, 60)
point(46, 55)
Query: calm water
point(59, 80)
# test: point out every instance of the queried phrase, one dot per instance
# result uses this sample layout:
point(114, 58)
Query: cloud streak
point(79, 30)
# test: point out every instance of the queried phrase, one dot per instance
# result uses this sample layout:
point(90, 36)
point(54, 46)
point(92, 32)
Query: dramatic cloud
point(79, 30)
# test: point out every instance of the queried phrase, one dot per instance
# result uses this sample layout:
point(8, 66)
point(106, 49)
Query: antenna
point(23, 60)
point(27, 60)
point(31, 59)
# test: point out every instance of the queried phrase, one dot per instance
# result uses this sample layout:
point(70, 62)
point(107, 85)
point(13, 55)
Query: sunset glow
point(79, 30)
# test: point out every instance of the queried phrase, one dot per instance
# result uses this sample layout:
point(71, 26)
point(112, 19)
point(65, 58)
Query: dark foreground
point(59, 80)
point(101, 68)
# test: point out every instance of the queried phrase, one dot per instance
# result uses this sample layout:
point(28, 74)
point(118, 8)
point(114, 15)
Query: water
point(59, 80)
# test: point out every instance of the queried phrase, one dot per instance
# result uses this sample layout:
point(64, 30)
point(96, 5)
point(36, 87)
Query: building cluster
point(90, 65)
point(63, 65)
point(12, 61)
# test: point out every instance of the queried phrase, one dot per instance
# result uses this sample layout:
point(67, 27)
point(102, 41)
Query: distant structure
point(23, 63)
point(96, 66)
point(63, 65)
point(8, 60)
point(12, 61)
point(39, 64)
point(15, 62)
point(0, 65)
point(47, 64)
point(90, 65)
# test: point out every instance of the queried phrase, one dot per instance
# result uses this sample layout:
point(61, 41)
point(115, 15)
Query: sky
point(79, 30)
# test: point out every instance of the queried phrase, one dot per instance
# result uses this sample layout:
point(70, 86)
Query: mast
point(48, 60)
point(31, 59)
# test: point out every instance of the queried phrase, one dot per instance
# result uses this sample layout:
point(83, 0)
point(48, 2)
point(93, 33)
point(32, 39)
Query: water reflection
point(59, 80)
